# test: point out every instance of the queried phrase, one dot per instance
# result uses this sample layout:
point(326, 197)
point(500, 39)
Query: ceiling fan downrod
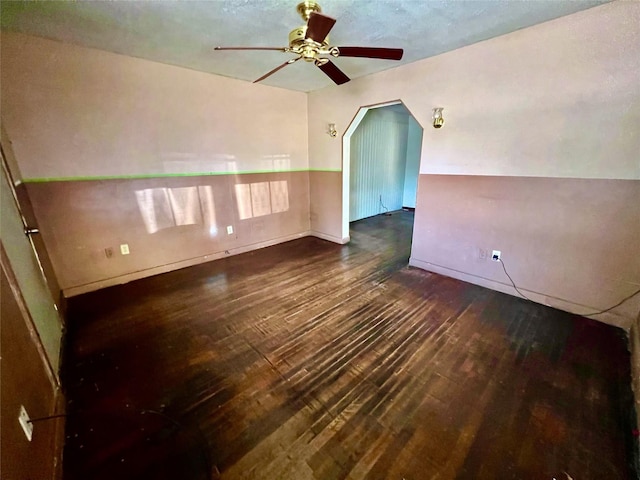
point(306, 8)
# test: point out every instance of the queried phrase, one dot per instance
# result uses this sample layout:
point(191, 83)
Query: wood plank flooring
point(311, 360)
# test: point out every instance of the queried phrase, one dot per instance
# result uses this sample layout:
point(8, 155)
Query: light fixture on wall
point(331, 130)
point(438, 119)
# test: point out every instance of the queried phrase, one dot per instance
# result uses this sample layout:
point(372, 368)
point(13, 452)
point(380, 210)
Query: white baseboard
point(331, 238)
point(561, 304)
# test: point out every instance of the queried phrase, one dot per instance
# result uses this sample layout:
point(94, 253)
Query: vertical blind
point(378, 163)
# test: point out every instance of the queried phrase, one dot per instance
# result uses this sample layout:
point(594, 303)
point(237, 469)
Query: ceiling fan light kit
point(310, 43)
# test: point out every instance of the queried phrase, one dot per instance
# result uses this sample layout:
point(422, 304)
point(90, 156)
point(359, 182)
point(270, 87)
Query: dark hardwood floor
point(311, 360)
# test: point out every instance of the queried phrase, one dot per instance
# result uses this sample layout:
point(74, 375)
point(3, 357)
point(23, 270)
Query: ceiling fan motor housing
point(307, 48)
point(310, 43)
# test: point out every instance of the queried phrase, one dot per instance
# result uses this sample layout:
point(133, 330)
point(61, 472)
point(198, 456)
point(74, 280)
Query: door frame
point(36, 275)
point(346, 156)
point(21, 199)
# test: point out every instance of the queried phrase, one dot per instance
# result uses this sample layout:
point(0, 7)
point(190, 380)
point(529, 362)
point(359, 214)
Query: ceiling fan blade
point(372, 52)
point(318, 27)
point(279, 67)
point(333, 72)
point(278, 49)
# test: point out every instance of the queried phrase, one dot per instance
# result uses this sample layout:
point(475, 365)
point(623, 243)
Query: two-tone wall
point(539, 158)
point(167, 223)
point(116, 150)
point(541, 131)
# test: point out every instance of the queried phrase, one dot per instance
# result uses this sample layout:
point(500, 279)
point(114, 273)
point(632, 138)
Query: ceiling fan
point(310, 42)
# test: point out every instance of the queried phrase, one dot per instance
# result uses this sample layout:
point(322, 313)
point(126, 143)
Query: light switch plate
point(25, 423)
point(124, 249)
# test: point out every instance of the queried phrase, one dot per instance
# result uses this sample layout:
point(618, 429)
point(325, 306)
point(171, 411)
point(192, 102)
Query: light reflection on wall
point(182, 162)
point(172, 207)
point(280, 162)
point(220, 163)
point(261, 198)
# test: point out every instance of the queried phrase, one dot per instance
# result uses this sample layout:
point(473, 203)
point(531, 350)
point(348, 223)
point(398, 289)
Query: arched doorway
point(381, 161)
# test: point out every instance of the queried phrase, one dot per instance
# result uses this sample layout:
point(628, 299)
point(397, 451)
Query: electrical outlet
point(230, 230)
point(482, 254)
point(25, 423)
point(495, 255)
point(124, 249)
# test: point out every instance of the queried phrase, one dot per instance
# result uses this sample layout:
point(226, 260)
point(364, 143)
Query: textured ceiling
point(184, 33)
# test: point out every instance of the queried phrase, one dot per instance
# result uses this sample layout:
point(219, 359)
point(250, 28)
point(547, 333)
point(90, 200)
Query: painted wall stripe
point(165, 175)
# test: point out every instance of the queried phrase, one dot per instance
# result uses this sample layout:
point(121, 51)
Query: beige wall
point(326, 205)
point(538, 157)
point(557, 100)
point(79, 220)
point(567, 243)
point(560, 99)
point(110, 126)
point(78, 112)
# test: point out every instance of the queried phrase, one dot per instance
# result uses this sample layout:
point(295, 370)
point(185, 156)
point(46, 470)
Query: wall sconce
point(331, 130)
point(438, 120)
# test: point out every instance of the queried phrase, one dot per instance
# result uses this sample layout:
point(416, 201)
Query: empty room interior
point(410, 251)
